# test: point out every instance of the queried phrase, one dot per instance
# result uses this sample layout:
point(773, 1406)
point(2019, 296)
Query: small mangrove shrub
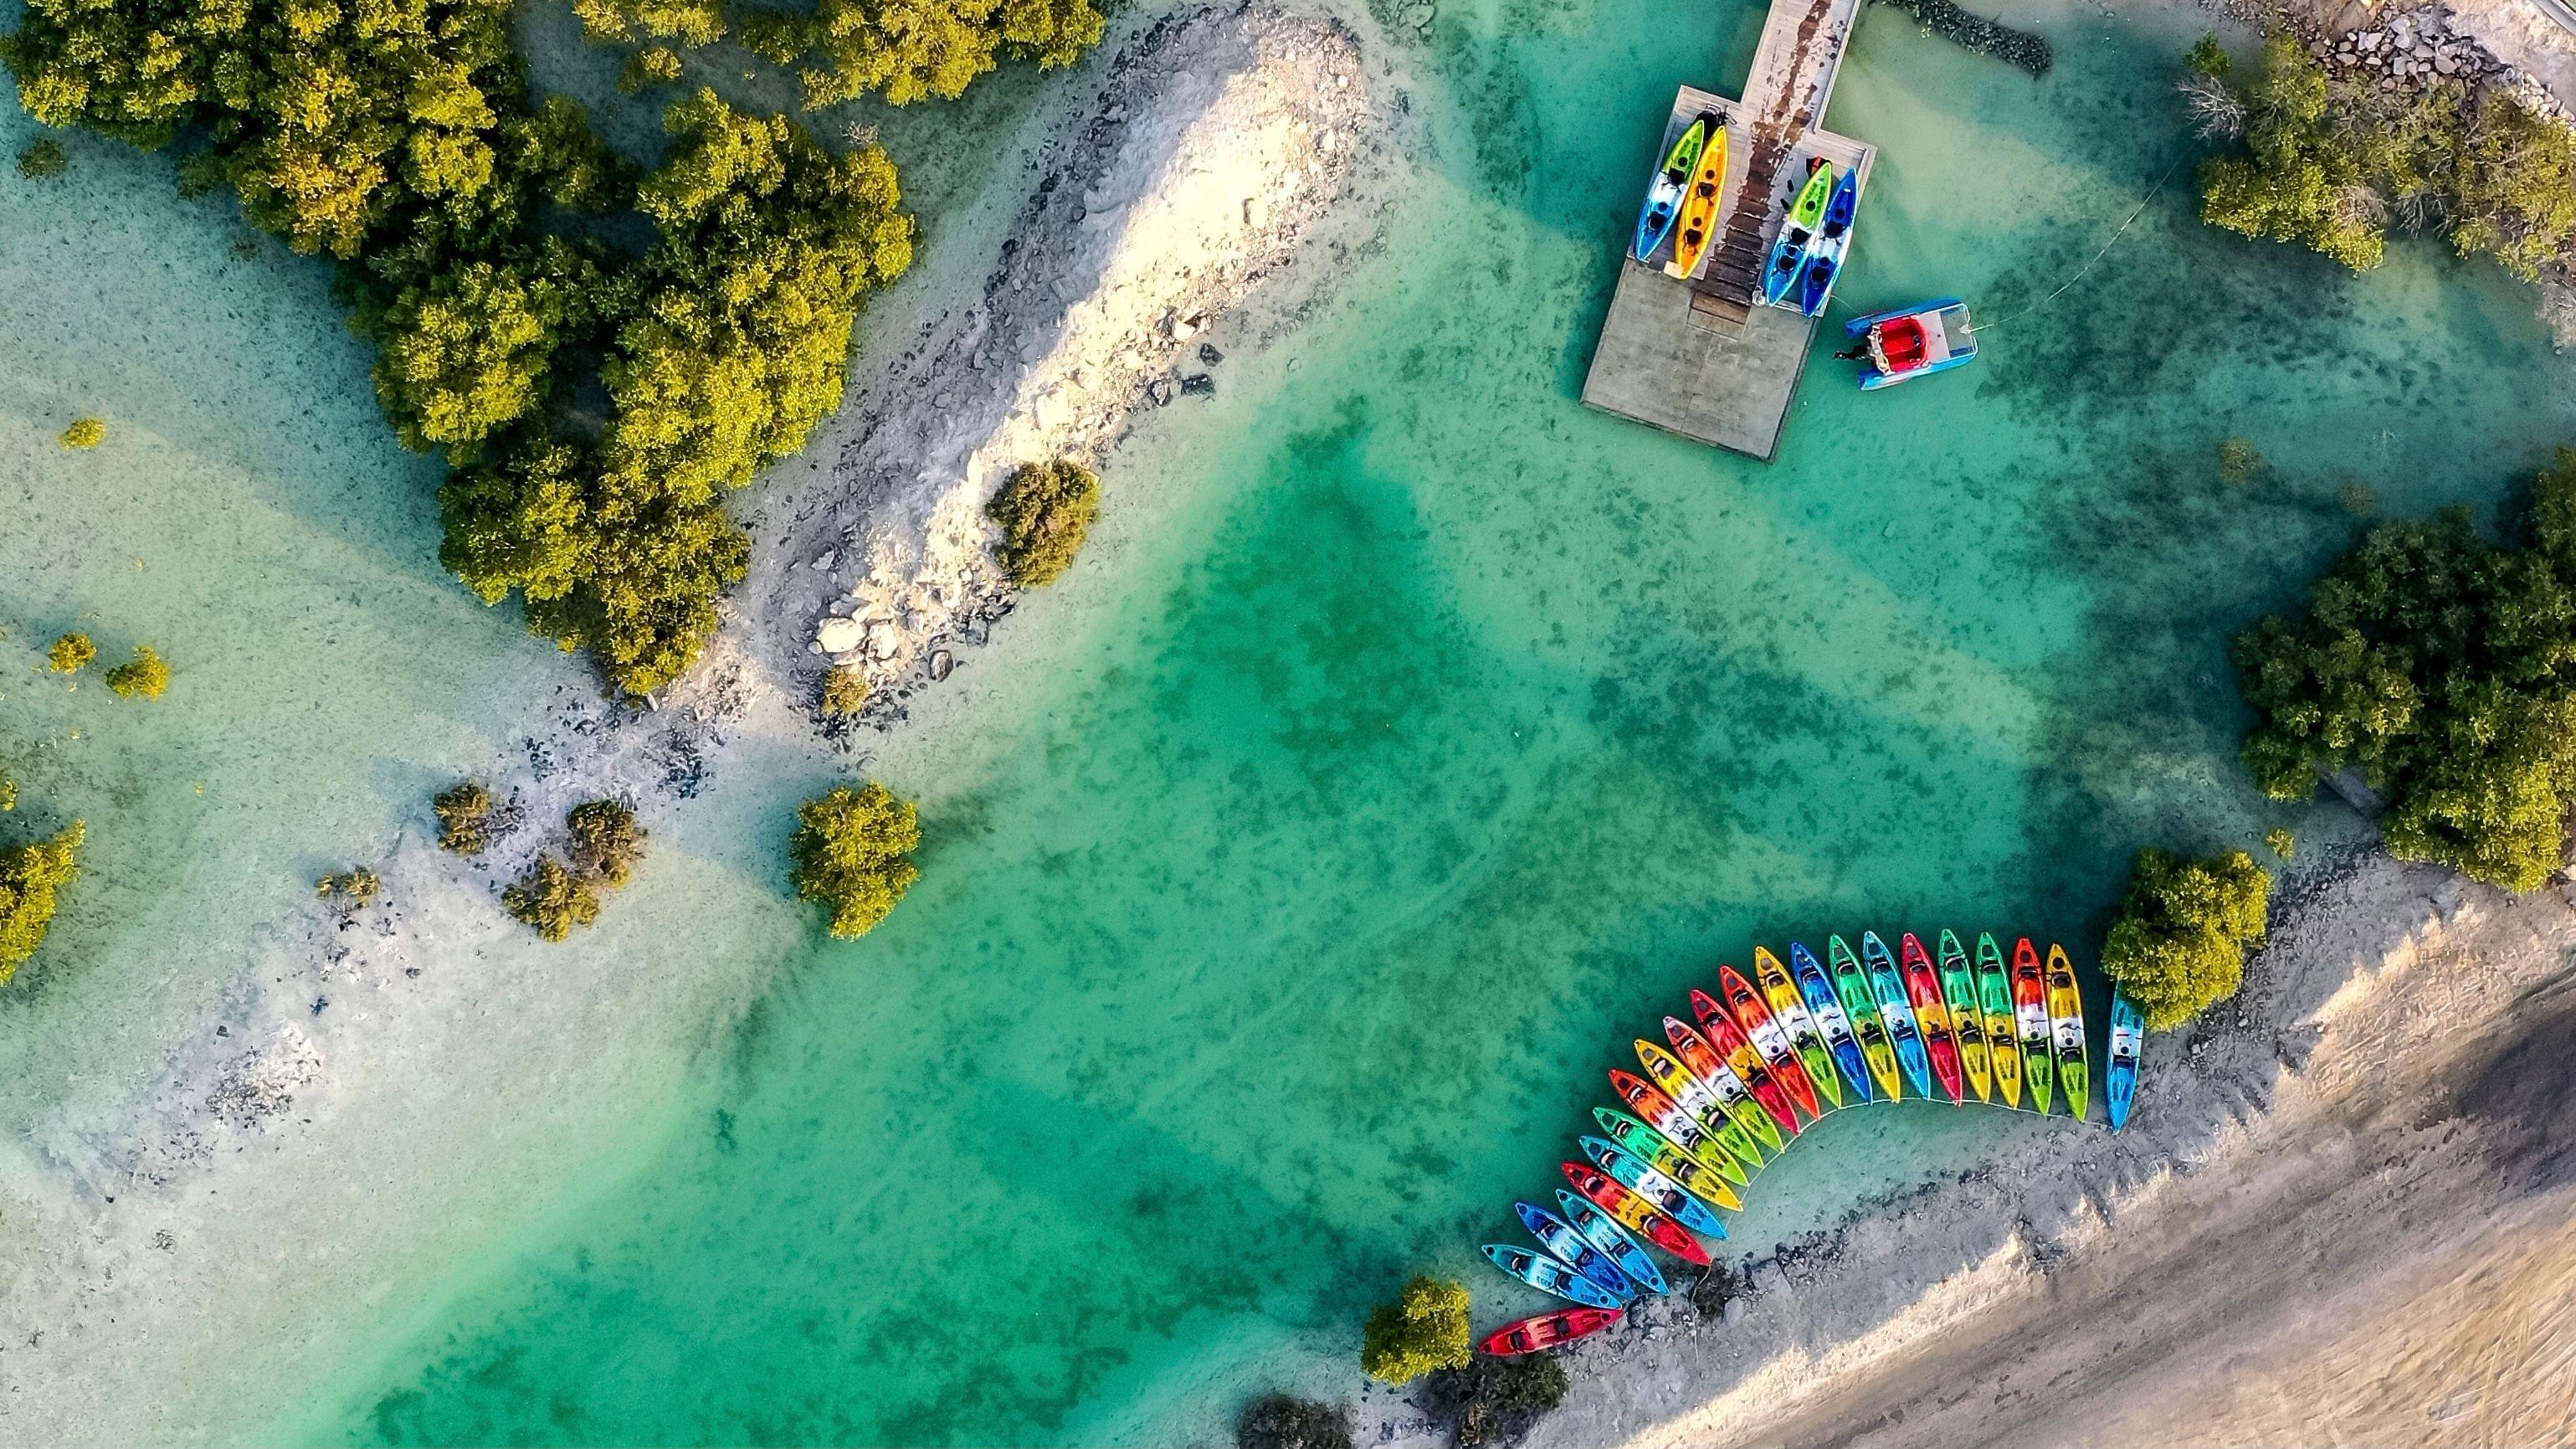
point(1422, 1331)
point(350, 891)
point(606, 841)
point(144, 676)
point(70, 654)
point(41, 159)
point(2444, 666)
point(2238, 462)
point(852, 853)
point(2180, 941)
point(30, 875)
point(84, 434)
point(2280, 842)
point(845, 692)
point(1045, 511)
point(652, 66)
point(464, 818)
point(1280, 1421)
point(551, 899)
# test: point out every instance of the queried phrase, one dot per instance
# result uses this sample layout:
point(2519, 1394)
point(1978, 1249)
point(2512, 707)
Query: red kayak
point(1547, 1330)
point(1635, 1213)
point(1769, 1038)
point(1931, 1014)
point(1728, 1038)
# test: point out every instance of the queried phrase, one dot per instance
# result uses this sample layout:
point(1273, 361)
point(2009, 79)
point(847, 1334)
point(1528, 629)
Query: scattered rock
point(1209, 355)
point(823, 561)
point(941, 662)
point(1159, 392)
point(1199, 383)
point(838, 636)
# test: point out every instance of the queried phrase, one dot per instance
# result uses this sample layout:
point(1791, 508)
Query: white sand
point(2340, 1215)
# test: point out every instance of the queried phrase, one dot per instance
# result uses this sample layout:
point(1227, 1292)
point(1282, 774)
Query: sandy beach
point(2340, 1215)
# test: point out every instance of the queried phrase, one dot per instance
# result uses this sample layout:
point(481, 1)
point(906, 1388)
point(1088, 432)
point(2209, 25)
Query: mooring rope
point(2097, 256)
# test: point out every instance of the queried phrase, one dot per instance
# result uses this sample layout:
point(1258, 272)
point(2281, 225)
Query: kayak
point(1635, 1213)
point(1734, 1094)
point(1931, 1014)
point(1546, 1330)
point(1664, 192)
point(1571, 1249)
point(1790, 1010)
point(1805, 214)
point(1830, 245)
point(1853, 986)
point(1548, 1275)
point(1897, 1013)
point(1700, 205)
point(1677, 1126)
point(1654, 1187)
point(1913, 342)
point(1959, 993)
point(2128, 1040)
point(2066, 1015)
point(1745, 1065)
point(1598, 1229)
point(1831, 1020)
point(1724, 1114)
point(1769, 1038)
point(2030, 1024)
point(1668, 1157)
point(1994, 1002)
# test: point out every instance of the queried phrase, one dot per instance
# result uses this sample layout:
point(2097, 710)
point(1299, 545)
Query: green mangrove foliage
point(464, 818)
point(2444, 667)
point(70, 654)
point(30, 875)
point(350, 891)
point(852, 853)
point(551, 898)
point(471, 223)
point(2180, 940)
point(1279, 1421)
point(1496, 1400)
point(2328, 161)
point(606, 841)
point(1045, 511)
point(845, 692)
point(904, 50)
point(41, 159)
point(144, 676)
point(84, 434)
point(1422, 1331)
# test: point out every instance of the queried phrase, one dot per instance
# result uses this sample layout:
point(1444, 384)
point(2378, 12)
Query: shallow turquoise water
point(1410, 739)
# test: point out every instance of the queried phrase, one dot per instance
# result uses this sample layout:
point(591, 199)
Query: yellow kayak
point(1698, 225)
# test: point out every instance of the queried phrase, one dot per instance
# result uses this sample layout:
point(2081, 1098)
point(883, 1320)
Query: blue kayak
point(1558, 1237)
point(1654, 1187)
point(1664, 192)
point(1829, 247)
point(1897, 1012)
point(1827, 1009)
point(2128, 1039)
point(1548, 1275)
point(1602, 1231)
point(1806, 213)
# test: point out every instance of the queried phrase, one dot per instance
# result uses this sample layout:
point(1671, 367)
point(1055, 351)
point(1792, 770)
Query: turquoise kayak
point(1897, 1012)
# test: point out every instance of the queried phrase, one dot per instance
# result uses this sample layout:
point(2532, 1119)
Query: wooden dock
point(1700, 356)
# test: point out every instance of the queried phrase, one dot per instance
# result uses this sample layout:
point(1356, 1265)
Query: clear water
point(1409, 740)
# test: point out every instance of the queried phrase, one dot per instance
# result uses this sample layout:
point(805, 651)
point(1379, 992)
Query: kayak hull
point(1664, 192)
point(1753, 1015)
point(1967, 1023)
point(1634, 1213)
point(1789, 1008)
point(1598, 1229)
point(1666, 1194)
point(2066, 1026)
point(1831, 245)
point(1677, 1125)
point(1542, 1331)
point(1827, 1010)
point(1667, 1157)
point(1896, 1013)
point(1701, 204)
point(1548, 1275)
point(1570, 1248)
point(2031, 1026)
point(1931, 1014)
point(2128, 1044)
point(1851, 982)
point(1744, 1064)
point(1994, 1000)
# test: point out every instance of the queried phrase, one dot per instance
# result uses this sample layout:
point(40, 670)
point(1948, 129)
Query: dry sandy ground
point(2342, 1216)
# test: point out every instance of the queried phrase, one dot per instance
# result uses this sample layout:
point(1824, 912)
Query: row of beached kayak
point(1687, 195)
point(1769, 1057)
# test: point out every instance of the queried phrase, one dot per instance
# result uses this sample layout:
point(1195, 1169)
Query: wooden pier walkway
point(1699, 356)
